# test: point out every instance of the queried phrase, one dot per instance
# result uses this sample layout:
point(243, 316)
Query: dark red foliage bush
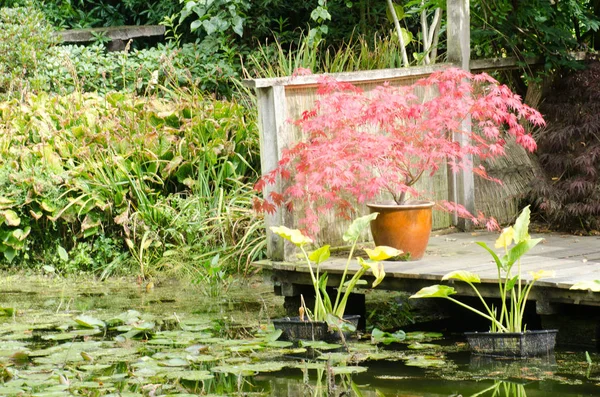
point(567, 193)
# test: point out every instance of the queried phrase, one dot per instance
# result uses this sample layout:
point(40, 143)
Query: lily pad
point(250, 369)
point(89, 322)
point(194, 376)
point(86, 332)
point(335, 358)
point(423, 346)
point(11, 391)
point(94, 367)
point(197, 349)
point(52, 394)
point(348, 370)
point(163, 342)
point(128, 317)
point(88, 385)
point(320, 345)
point(12, 345)
point(174, 362)
point(245, 348)
point(378, 336)
point(203, 358)
point(18, 336)
point(166, 355)
point(425, 362)
point(144, 326)
point(280, 344)
point(308, 365)
point(59, 337)
point(113, 378)
point(145, 373)
point(423, 335)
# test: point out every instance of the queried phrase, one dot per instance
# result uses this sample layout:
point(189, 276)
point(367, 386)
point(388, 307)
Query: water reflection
point(314, 382)
point(534, 367)
point(503, 389)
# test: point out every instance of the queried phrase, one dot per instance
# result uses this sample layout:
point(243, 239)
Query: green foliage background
point(85, 169)
point(147, 157)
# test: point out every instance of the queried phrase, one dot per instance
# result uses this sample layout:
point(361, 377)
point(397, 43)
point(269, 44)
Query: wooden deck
point(573, 258)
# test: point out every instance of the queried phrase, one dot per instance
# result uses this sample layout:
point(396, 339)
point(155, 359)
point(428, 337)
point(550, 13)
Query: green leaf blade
point(434, 291)
point(521, 226)
point(320, 255)
point(358, 226)
point(462, 275)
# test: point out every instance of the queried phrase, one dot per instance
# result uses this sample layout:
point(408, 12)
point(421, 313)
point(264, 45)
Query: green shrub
point(69, 14)
point(92, 69)
point(25, 41)
point(158, 176)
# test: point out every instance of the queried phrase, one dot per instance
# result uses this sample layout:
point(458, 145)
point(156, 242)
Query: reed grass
point(359, 53)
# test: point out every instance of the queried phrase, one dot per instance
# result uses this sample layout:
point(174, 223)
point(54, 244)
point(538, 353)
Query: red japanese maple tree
point(359, 145)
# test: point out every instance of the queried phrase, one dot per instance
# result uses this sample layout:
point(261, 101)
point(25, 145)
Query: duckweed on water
point(68, 338)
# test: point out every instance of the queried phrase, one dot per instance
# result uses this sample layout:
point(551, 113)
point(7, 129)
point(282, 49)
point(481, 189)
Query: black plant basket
point(295, 329)
point(513, 344)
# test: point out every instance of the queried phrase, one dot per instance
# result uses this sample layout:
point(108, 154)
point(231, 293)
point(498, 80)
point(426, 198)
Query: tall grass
point(360, 53)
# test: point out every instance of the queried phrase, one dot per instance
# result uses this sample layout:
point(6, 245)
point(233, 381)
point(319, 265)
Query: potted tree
point(508, 334)
point(326, 320)
point(361, 148)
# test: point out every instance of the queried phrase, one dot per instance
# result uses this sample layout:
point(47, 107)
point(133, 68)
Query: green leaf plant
point(326, 308)
point(513, 289)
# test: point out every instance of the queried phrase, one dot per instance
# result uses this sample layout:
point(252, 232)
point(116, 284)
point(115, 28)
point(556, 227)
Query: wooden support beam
point(459, 33)
point(462, 184)
point(272, 116)
point(546, 296)
point(370, 76)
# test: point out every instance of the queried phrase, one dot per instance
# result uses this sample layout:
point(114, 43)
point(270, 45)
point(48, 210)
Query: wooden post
point(459, 33)
point(462, 184)
point(272, 115)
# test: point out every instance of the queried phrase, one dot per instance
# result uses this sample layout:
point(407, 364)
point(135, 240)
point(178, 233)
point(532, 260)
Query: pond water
point(62, 337)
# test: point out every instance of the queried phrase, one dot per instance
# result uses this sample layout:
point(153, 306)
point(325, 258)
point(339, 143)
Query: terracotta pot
point(405, 227)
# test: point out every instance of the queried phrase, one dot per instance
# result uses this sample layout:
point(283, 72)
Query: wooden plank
point(111, 32)
point(507, 63)
point(582, 252)
point(367, 75)
point(381, 75)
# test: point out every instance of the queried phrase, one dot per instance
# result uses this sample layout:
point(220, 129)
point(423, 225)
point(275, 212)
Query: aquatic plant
point(513, 288)
point(326, 308)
